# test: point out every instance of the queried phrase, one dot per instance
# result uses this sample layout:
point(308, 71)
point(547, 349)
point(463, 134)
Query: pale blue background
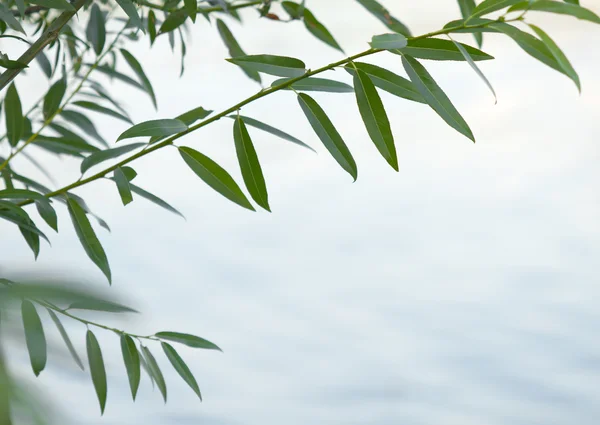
point(463, 290)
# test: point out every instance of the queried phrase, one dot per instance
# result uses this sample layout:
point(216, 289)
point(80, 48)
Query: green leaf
point(11, 64)
point(317, 29)
point(146, 368)
point(272, 130)
point(154, 128)
point(234, 49)
point(375, 118)
point(123, 186)
point(64, 145)
point(131, 11)
point(435, 96)
point(17, 215)
point(34, 336)
point(87, 210)
point(7, 16)
point(476, 69)
point(53, 4)
point(43, 203)
point(388, 81)
point(466, 8)
point(84, 123)
point(88, 237)
point(384, 16)
point(101, 109)
point(328, 134)
point(13, 114)
point(131, 358)
point(558, 7)
point(129, 173)
point(315, 84)
point(152, 26)
point(115, 74)
point(530, 44)
point(558, 54)
point(47, 213)
point(66, 339)
point(44, 63)
point(187, 339)
point(100, 305)
point(21, 7)
point(191, 7)
point(182, 369)
point(101, 156)
point(250, 165)
point(97, 371)
point(389, 41)
point(489, 6)
point(215, 176)
point(440, 50)
point(280, 66)
point(137, 68)
point(153, 198)
point(53, 98)
point(193, 115)
point(155, 372)
point(96, 30)
point(173, 21)
point(295, 10)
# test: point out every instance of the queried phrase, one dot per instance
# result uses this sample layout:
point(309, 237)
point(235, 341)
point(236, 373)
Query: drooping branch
point(263, 93)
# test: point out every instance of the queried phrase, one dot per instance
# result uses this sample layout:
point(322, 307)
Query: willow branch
point(46, 38)
point(171, 140)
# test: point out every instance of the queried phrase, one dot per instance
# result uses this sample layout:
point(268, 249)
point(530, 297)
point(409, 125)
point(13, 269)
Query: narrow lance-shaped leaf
point(328, 134)
point(44, 63)
point(388, 81)
point(123, 186)
point(187, 339)
point(477, 70)
point(155, 372)
point(53, 4)
point(182, 369)
point(154, 128)
point(101, 109)
point(53, 98)
point(489, 6)
point(131, 358)
point(234, 49)
point(558, 54)
point(66, 339)
point(173, 21)
point(101, 156)
point(97, 370)
point(145, 366)
point(440, 50)
point(34, 337)
point(315, 84)
point(96, 30)
point(152, 26)
point(48, 214)
point(100, 305)
point(375, 118)
point(139, 71)
point(530, 44)
point(435, 96)
point(250, 165)
point(385, 17)
point(191, 7)
point(280, 66)
point(13, 114)
point(558, 7)
point(131, 11)
point(7, 16)
point(88, 237)
point(84, 123)
point(466, 8)
point(389, 41)
point(272, 130)
point(215, 176)
point(316, 28)
point(153, 198)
